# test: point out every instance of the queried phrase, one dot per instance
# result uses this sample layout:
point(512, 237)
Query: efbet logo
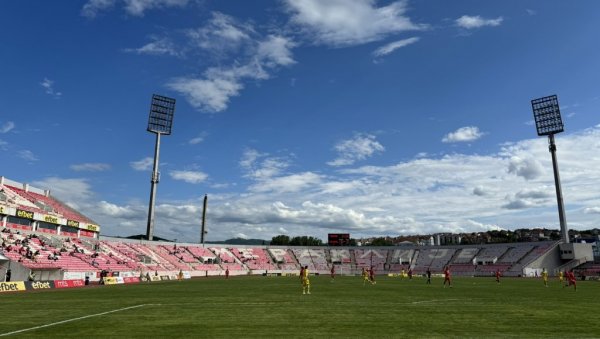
point(12, 286)
point(41, 285)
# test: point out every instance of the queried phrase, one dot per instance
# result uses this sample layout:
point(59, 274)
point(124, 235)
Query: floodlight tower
point(546, 113)
point(203, 229)
point(160, 122)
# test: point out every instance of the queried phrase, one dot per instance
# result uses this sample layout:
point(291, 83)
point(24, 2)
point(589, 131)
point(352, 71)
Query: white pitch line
point(69, 320)
point(434, 301)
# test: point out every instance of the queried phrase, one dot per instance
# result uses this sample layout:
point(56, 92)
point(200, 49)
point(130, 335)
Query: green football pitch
point(270, 307)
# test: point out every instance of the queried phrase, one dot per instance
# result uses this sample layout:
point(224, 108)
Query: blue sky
point(304, 117)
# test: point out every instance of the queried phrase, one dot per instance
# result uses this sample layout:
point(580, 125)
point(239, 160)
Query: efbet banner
point(12, 286)
point(39, 285)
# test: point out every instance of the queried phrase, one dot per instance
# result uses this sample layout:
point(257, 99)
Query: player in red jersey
point(571, 279)
point(332, 272)
point(498, 274)
point(447, 277)
point(372, 276)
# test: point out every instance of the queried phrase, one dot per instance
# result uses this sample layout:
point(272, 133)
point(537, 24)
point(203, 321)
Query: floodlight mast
point(546, 113)
point(203, 229)
point(160, 122)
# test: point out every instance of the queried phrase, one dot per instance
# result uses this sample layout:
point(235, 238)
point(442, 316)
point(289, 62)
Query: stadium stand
point(32, 209)
point(57, 254)
point(588, 269)
point(284, 259)
point(515, 253)
point(254, 258)
point(401, 259)
point(466, 255)
point(376, 258)
point(342, 259)
point(434, 258)
point(315, 259)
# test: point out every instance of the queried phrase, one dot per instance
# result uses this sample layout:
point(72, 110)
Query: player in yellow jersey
point(305, 281)
point(561, 278)
point(545, 277)
point(365, 275)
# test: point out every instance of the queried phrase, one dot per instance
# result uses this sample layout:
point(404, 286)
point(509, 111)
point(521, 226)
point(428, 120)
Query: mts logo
point(61, 283)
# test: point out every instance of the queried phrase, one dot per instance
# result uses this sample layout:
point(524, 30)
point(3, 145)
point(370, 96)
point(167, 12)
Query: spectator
point(7, 275)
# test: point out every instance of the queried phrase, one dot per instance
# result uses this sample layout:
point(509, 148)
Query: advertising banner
point(90, 227)
point(69, 283)
point(51, 219)
point(39, 285)
point(72, 223)
point(12, 286)
point(131, 280)
point(74, 275)
point(24, 214)
point(110, 281)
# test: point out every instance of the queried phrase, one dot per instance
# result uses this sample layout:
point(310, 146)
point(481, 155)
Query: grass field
point(267, 307)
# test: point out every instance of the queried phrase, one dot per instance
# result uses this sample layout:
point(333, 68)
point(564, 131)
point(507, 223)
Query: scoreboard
point(338, 239)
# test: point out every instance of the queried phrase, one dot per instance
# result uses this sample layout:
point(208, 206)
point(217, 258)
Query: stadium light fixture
point(548, 121)
point(160, 121)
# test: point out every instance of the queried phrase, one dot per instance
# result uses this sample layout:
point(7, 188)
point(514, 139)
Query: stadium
point(47, 245)
point(420, 139)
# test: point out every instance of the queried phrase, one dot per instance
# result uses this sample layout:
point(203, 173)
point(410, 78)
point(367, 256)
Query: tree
point(306, 241)
point(282, 240)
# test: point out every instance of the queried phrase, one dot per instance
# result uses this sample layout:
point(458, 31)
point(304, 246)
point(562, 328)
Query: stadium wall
point(18, 271)
point(550, 260)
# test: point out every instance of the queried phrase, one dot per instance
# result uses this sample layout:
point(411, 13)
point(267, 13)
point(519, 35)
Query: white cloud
point(527, 168)
point(196, 140)
point(133, 7)
point(75, 192)
point(48, 85)
point(592, 210)
point(115, 211)
point(192, 177)
point(92, 7)
point(212, 91)
point(360, 147)
point(392, 46)
point(90, 167)
point(221, 34)
point(27, 155)
point(471, 22)
point(469, 193)
point(143, 164)
point(249, 158)
point(349, 22)
point(479, 191)
point(260, 166)
point(7, 127)
point(529, 198)
point(287, 183)
point(463, 134)
point(275, 51)
point(159, 46)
